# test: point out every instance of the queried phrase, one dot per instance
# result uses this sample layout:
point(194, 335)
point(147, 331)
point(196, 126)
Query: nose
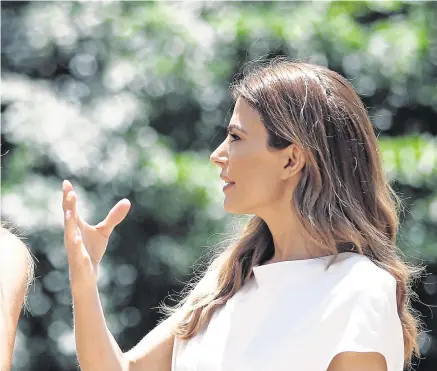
point(220, 156)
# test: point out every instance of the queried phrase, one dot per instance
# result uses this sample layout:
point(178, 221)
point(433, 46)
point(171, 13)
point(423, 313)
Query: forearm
point(96, 347)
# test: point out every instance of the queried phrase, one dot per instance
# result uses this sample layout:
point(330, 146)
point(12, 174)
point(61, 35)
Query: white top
point(296, 315)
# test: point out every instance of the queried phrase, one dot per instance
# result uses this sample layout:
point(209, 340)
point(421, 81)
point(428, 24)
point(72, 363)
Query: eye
point(236, 137)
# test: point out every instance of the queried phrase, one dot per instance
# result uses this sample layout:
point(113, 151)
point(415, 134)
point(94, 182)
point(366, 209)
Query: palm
point(94, 237)
point(94, 241)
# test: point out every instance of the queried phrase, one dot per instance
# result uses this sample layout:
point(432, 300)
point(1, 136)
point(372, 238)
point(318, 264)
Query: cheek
point(268, 181)
point(260, 177)
point(253, 170)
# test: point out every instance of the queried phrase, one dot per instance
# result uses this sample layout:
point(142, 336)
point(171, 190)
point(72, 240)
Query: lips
point(226, 179)
point(228, 185)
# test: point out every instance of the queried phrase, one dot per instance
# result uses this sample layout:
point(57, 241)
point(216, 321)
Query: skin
point(264, 184)
point(13, 276)
point(96, 347)
point(355, 361)
point(264, 181)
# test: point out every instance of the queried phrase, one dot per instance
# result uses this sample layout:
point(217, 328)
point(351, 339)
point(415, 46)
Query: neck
point(288, 240)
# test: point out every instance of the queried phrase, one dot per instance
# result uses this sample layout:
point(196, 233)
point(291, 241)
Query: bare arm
point(14, 261)
point(154, 351)
point(98, 350)
point(96, 347)
point(357, 361)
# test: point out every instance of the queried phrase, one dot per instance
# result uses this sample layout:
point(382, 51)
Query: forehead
point(247, 117)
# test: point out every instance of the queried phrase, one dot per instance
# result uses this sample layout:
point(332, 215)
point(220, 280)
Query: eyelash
point(236, 137)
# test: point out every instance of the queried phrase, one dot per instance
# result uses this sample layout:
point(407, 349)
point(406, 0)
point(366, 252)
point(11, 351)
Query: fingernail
point(68, 214)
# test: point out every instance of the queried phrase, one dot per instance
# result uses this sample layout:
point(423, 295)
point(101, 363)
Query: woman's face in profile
point(244, 159)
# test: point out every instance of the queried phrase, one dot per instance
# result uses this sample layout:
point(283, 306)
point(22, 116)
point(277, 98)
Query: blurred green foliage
point(128, 99)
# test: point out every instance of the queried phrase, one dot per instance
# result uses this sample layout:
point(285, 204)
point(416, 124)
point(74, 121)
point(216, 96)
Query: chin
point(230, 208)
point(234, 209)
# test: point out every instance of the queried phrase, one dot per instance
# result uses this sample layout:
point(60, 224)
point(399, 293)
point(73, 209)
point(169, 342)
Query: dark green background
point(128, 99)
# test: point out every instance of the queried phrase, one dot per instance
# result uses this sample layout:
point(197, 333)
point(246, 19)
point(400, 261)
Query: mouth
point(228, 185)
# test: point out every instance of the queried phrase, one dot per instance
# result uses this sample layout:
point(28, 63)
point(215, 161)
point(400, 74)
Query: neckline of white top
point(290, 269)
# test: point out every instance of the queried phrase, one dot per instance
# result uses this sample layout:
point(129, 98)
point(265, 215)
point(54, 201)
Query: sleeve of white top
point(370, 323)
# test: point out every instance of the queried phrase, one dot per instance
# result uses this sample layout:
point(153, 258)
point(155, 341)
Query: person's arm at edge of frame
point(16, 273)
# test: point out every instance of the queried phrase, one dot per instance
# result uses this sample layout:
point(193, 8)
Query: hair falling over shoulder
point(342, 199)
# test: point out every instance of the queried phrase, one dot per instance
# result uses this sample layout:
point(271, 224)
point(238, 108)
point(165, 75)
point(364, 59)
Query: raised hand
point(86, 244)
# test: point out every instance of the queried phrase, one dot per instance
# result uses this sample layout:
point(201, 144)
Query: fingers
point(80, 265)
point(114, 217)
point(72, 238)
point(66, 187)
point(82, 224)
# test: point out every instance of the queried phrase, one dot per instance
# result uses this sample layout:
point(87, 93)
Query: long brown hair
point(342, 199)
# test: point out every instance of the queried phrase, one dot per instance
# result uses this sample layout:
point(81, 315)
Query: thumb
point(115, 216)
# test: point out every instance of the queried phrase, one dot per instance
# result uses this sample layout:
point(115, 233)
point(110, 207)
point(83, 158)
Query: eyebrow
point(233, 126)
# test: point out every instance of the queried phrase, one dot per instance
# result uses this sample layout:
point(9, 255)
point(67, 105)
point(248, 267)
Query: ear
point(292, 160)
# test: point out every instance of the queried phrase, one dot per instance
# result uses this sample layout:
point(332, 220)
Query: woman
point(314, 282)
point(16, 274)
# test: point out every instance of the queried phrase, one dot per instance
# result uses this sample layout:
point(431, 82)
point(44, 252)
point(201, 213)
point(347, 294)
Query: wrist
point(82, 282)
point(80, 289)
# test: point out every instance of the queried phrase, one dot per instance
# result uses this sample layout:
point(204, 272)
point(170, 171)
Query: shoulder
point(360, 276)
point(206, 281)
point(15, 258)
point(16, 269)
point(12, 246)
point(364, 313)
point(364, 296)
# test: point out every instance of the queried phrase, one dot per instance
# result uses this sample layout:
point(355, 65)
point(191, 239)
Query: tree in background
point(128, 99)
